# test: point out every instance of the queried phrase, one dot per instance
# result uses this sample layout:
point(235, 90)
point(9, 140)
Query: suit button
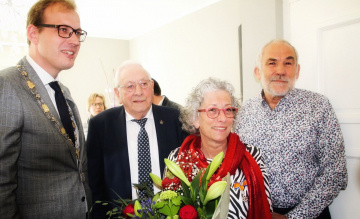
point(83, 199)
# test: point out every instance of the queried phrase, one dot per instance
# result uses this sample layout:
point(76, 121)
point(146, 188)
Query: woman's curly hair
point(189, 113)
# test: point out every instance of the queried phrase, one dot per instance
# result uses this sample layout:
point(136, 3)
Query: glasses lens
point(129, 87)
point(97, 104)
point(230, 112)
point(144, 84)
point(212, 112)
point(65, 31)
point(81, 34)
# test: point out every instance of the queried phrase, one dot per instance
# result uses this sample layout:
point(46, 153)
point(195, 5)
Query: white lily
point(215, 191)
point(176, 170)
point(215, 164)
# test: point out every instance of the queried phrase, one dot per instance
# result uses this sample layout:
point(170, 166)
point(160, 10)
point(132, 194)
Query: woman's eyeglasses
point(213, 112)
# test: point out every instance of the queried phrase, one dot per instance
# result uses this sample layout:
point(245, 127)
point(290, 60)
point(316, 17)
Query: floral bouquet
point(190, 200)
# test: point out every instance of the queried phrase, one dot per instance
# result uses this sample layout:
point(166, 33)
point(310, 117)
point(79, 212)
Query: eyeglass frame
point(83, 32)
point(97, 104)
point(135, 83)
point(219, 110)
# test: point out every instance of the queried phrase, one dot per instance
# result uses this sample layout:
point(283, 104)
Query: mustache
point(280, 78)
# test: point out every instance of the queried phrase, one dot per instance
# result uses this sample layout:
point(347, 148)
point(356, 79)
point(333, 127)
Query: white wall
point(97, 57)
point(180, 54)
point(261, 22)
point(203, 44)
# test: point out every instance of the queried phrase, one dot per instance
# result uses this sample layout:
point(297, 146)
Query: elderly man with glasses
point(43, 164)
point(128, 142)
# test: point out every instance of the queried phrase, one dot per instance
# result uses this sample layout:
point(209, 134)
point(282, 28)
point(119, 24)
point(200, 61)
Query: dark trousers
point(325, 214)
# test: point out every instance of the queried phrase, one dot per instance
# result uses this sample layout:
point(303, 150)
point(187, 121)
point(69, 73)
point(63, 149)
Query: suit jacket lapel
point(75, 111)
point(40, 87)
point(118, 127)
point(160, 126)
point(41, 90)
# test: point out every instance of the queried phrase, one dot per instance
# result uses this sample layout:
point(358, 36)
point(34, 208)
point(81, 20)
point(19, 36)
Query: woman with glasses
point(209, 115)
point(96, 104)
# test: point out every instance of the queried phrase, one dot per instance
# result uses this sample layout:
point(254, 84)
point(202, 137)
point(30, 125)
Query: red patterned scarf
point(236, 156)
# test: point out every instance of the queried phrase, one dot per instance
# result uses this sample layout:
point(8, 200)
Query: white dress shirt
point(132, 131)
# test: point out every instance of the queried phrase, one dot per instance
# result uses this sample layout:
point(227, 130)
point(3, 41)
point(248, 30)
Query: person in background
point(96, 104)
point(43, 164)
point(162, 100)
point(299, 135)
point(128, 142)
point(210, 116)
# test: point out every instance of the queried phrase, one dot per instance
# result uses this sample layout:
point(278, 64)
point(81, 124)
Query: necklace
point(46, 109)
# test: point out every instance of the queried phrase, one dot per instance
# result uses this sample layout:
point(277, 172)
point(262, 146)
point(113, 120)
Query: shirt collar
point(45, 77)
point(148, 115)
point(162, 100)
point(287, 97)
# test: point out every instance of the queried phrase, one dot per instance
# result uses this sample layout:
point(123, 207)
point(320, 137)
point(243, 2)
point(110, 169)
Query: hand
point(275, 215)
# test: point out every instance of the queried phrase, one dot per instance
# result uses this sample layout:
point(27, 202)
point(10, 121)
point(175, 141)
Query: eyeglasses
point(212, 113)
point(66, 31)
point(130, 87)
point(97, 104)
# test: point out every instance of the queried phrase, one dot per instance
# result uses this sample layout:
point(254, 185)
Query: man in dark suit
point(162, 100)
point(112, 137)
point(43, 164)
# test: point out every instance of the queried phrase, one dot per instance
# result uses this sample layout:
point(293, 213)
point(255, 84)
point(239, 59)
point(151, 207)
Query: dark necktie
point(63, 110)
point(144, 159)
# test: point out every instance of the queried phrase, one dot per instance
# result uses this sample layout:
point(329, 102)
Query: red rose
point(188, 212)
point(129, 209)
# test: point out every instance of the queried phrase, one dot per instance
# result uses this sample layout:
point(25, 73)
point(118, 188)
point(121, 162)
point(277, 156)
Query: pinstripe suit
point(39, 174)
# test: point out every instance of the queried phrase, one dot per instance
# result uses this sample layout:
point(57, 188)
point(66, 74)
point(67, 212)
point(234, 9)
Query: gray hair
point(124, 65)
point(260, 55)
point(189, 113)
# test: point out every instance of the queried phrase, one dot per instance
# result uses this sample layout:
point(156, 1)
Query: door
point(326, 34)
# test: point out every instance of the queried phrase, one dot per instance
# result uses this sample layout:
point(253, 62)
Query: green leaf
point(176, 200)
point(187, 201)
point(165, 210)
point(203, 187)
point(159, 205)
point(174, 210)
point(201, 213)
point(186, 190)
point(210, 208)
point(120, 200)
point(156, 197)
point(130, 215)
point(195, 184)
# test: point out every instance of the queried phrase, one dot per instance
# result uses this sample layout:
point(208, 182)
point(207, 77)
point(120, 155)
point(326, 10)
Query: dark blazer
point(108, 151)
point(169, 103)
point(40, 176)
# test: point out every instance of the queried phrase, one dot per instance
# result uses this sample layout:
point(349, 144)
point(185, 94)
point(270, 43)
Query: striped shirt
point(239, 193)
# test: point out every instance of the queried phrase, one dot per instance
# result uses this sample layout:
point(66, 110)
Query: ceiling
point(123, 19)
